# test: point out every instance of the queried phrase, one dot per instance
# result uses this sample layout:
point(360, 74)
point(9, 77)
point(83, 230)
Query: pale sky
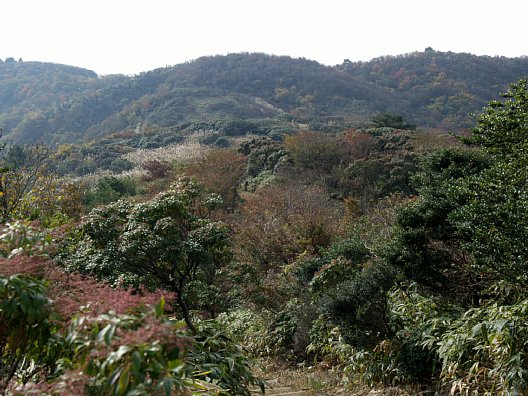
point(131, 36)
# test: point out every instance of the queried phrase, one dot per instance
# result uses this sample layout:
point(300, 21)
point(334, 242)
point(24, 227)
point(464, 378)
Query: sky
point(131, 36)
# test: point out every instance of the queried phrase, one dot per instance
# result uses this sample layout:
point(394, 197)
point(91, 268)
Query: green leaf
point(175, 365)
point(485, 333)
point(136, 362)
point(500, 323)
point(122, 351)
point(168, 385)
point(124, 380)
point(160, 307)
point(106, 334)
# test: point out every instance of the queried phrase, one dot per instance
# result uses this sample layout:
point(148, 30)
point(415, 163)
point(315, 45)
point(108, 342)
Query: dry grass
point(184, 152)
point(313, 380)
point(320, 380)
point(428, 140)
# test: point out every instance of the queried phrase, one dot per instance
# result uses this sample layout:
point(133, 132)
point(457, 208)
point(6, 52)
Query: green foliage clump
point(350, 288)
point(502, 129)
point(222, 362)
point(391, 121)
point(427, 244)
point(20, 169)
point(146, 353)
point(20, 238)
point(462, 238)
point(265, 157)
point(25, 328)
point(485, 350)
point(377, 177)
point(381, 163)
point(168, 243)
point(359, 304)
point(248, 329)
point(327, 342)
point(493, 220)
point(116, 360)
point(109, 189)
point(468, 224)
point(283, 334)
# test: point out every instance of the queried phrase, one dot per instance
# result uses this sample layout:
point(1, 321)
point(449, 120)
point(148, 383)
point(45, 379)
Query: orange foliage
point(285, 220)
point(358, 144)
point(314, 150)
point(276, 226)
point(220, 172)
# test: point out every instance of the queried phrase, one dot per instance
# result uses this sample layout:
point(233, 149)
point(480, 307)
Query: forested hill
point(441, 87)
point(32, 94)
point(65, 104)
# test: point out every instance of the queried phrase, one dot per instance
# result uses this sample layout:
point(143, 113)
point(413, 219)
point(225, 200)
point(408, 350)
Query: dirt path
point(283, 379)
point(275, 388)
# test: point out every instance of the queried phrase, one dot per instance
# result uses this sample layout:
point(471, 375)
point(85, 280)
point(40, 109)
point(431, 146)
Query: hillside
point(441, 88)
point(65, 104)
point(33, 93)
point(205, 256)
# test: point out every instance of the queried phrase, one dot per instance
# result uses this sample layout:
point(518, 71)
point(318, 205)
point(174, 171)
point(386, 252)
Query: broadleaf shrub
point(25, 328)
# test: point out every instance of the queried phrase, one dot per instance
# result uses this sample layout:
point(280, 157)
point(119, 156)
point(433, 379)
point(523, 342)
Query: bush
point(218, 360)
point(167, 243)
point(220, 172)
point(21, 238)
point(314, 150)
point(358, 304)
point(485, 350)
point(277, 226)
point(25, 329)
point(110, 189)
point(52, 202)
point(156, 169)
point(146, 353)
point(248, 329)
point(427, 244)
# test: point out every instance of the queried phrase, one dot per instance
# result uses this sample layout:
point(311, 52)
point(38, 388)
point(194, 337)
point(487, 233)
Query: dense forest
point(247, 224)
point(62, 104)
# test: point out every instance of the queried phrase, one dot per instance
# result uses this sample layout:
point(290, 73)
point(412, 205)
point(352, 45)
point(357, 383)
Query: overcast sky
point(130, 36)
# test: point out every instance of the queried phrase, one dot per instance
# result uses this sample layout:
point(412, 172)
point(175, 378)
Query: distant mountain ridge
point(59, 103)
point(442, 87)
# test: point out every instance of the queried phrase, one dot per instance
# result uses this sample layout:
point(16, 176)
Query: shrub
point(20, 169)
point(314, 150)
point(280, 224)
point(52, 201)
point(146, 353)
point(109, 189)
point(358, 304)
point(248, 329)
point(25, 329)
point(485, 350)
point(218, 360)
point(168, 243)
point(220, 172)
point(156, 169)
point(265, 157)
point(21, 238)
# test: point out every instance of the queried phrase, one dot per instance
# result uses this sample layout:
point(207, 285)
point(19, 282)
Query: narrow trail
point(283, 379)
point(276, 388)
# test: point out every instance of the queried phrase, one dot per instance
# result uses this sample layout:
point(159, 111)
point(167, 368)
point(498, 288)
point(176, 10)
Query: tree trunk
point(186, 315)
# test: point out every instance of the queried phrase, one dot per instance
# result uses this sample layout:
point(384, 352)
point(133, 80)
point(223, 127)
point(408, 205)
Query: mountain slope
point(65, 104)
point(441, 87)
point(33, 93)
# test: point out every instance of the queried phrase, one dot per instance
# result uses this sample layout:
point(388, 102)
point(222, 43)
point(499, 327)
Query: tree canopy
point(168, 243)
